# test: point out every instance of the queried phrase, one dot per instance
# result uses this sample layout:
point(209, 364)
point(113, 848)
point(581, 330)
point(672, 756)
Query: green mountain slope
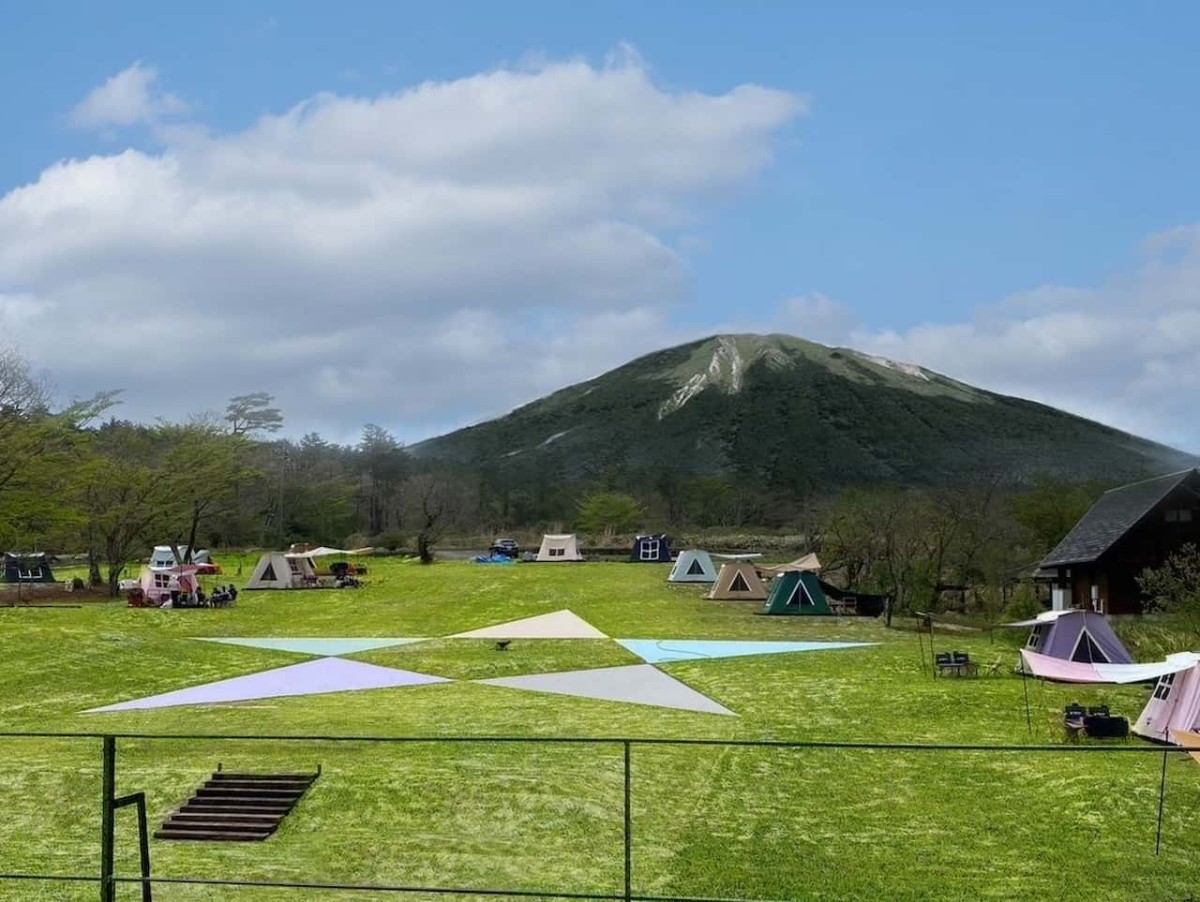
point(781, 412)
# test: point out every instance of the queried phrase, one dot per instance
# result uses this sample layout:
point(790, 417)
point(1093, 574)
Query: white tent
point(559, 548)
point(276, 570)
point(163, 558)
point(1174, 705)
point(693, 566)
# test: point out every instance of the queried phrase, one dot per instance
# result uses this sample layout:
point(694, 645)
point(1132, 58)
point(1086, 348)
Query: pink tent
point(159, 584)
point(1174, 707)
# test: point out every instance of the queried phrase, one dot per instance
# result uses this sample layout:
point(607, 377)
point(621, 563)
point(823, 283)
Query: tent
point(559, 548)
point(739, 580)
point(1174, 706)
point(163, 558)
point(651, 550)
point(157, 583)
point(693, 566)
point(1073, 635)
point(32, 567)
point(797, 592)
point(276, 570)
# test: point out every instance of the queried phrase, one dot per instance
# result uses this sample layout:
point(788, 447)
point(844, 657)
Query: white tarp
point(1058, 670)
point(323, 551)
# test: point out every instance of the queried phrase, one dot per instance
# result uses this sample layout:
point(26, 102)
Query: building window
point(1182, 515)
point(1163, 689)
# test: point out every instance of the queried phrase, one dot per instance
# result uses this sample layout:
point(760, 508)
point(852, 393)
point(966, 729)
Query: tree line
point(82, 479)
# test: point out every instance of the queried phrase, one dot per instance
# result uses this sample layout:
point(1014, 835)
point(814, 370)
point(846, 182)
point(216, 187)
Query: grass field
point(757, 823)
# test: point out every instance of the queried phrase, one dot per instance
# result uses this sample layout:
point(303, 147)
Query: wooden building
point(1131, 528)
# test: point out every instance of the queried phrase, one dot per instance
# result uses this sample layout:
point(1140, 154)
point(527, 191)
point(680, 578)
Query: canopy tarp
point(807, 564)
point(323, 551)
point(1058, 670)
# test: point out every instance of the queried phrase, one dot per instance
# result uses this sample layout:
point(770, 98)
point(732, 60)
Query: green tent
point(796, 592)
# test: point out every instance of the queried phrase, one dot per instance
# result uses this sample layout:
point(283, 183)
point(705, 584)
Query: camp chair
point(1073, 716)
point(994, 668)
point(963, 664)
point(943, 662)
point(1098, 711)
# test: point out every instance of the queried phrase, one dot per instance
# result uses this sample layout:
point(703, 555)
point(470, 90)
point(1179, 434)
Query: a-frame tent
point(276, 570)
point(693, 566)
point(797, 592)
point(1074, 635)
point(738, 580)
point(559, 548)
point(651, 550)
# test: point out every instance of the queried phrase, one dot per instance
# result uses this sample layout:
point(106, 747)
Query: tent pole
point(921, 645)
point(1162, 791)
point(932, 656)
point(1025, 686)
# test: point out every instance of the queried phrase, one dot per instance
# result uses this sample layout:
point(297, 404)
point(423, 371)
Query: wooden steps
point(232, 807)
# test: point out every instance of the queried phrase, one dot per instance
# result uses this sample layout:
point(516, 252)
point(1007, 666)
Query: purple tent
point(1083, 636)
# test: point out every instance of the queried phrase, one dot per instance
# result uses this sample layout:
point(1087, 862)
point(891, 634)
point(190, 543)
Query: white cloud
point(1126, 353)
point(131, 97)
point(412, 259)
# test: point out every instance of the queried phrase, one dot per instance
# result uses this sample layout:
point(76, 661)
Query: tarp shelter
point(807, 564)
point(311, 551)
point(693, 566)
point(1083, 636)
point(738, 580)
point(276, 570)
point(32, 567)
point(1059, 671)
point(651, 550)
point(797, 592)
point(559, 548)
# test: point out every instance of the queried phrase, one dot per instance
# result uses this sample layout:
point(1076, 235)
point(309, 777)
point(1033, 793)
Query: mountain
point(792, 415)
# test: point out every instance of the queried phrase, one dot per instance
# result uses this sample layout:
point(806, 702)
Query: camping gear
point(557, 548)
point(738, 580)
point(797, 592)
point(809, 562)
point(693, 566)
point(493, 559)
point(1082, 636)
point(651, 550)
point(1174, 705)
point(30, 567)
point(276, 570)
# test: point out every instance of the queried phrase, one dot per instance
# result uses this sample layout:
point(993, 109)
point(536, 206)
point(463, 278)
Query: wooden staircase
point(237, 807)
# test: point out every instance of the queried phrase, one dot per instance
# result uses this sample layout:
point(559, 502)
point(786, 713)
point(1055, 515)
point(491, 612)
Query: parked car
point(506, 547)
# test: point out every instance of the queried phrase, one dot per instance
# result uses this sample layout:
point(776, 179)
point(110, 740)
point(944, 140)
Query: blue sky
point(983, 191)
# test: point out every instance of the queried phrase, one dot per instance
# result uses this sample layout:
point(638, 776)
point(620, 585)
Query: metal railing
point(108, 881)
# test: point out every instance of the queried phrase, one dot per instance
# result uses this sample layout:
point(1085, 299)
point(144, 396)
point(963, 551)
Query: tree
point(435, 502)
point(247, 414)
point(384, 466)
point(1175, 586)
point(1047, 511)
point(608, 512)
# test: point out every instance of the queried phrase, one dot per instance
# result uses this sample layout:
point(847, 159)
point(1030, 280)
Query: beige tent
point(739, 580)
point(276, 570)
point(807, 564)
point(559, 548)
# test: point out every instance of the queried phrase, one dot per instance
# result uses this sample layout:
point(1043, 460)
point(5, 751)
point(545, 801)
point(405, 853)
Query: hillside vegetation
point(787, 414)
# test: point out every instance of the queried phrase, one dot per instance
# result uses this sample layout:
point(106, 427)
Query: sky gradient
point(423, 215)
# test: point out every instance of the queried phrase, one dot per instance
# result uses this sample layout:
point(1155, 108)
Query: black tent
point(27, 568)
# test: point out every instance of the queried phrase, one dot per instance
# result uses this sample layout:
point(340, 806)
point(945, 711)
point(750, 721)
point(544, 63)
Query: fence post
point(107, 812)
point(1162, 792)
point(628, 827)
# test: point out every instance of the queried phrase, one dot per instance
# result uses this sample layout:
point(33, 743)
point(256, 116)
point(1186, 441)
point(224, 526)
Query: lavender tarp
point(308, 678)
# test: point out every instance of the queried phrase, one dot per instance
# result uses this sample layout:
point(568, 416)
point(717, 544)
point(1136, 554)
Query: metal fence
point(107, 881)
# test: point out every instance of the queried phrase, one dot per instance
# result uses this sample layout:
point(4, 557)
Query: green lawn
point(757, 823)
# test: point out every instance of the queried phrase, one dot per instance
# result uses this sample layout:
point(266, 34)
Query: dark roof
point(1117, 511)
